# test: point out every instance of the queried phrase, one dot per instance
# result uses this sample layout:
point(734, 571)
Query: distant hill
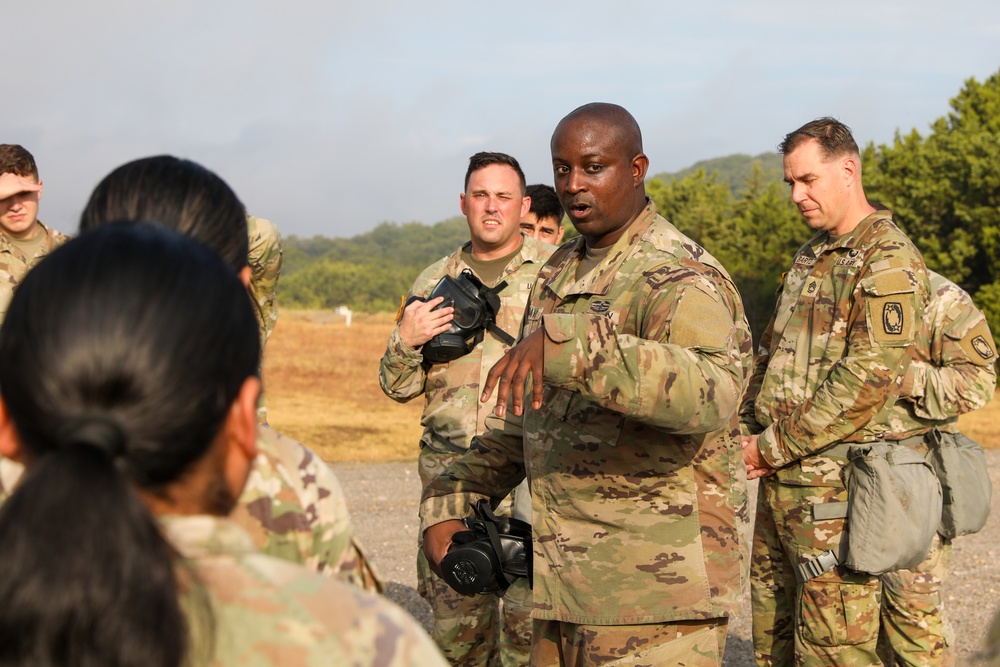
point(371, 271)
point(731, 169)
point(408, 244)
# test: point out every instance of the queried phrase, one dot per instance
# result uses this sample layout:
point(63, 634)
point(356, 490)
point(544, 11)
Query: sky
point(331, 117)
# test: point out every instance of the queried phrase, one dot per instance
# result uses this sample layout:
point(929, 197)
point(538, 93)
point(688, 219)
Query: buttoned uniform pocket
point(890, 308)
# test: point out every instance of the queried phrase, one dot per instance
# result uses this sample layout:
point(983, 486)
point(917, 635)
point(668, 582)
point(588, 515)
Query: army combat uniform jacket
point(956, 374)
point(268, 611)
point(836, 348)
point(453, 413)
point(14, 265)
point(637, 482)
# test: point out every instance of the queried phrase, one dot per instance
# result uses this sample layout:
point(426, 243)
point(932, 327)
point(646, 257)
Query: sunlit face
point(598, 184)
point(819, 186)
point(494, 204)
point(546, 229)
point(19, 213)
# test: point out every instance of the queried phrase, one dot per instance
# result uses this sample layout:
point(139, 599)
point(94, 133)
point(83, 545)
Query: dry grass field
point(322, 388)
point(321, 378)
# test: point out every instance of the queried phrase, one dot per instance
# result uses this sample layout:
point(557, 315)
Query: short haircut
point(545, 202)
point(834, 138)
point(14, 159)
point(484, 159)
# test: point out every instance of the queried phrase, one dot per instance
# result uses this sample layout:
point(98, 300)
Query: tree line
point(943, 189)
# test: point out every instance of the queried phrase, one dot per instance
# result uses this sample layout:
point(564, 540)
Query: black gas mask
point(490, 555)
point(476, 307)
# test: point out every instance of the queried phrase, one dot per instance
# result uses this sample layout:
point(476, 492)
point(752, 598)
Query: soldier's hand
point(12, 184)
point(420, 322)
point(510, 373)
point(753, 460)
point(437, 541)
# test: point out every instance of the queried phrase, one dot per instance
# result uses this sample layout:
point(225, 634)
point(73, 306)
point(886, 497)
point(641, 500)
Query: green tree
point(944, 190)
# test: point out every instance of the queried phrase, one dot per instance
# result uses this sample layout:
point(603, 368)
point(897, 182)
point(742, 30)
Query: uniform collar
point(599, 280)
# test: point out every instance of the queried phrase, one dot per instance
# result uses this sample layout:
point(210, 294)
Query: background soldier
point(494, 202)
point(954, 375)
point(265, 254)
point(638, 350)
point(24, 240)
point(543, 221)
point(829, 361)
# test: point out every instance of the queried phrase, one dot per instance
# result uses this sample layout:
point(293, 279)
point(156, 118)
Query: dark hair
point(484, 159)
point(544, 202)
point(15, 159)
point(834, 138)
point(179, 194)
point(120, 356)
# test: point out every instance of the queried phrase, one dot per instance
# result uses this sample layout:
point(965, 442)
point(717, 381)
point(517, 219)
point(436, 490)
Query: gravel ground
point(383, 503)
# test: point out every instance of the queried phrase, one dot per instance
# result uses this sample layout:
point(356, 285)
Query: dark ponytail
point(119, 358)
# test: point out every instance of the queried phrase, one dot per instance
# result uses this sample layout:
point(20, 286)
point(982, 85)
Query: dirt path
point(383, 502)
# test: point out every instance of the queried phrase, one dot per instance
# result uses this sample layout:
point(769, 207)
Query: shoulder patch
point(978, 345)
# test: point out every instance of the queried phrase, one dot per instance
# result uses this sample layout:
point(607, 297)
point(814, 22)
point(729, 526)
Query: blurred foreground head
point(179, 194)
point(118, 393)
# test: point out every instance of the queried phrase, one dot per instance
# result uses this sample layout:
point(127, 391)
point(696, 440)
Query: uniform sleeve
point(683, 374)
point(884, 318)
point(266, 253)
point(749, 425)
point(401, 373)
point(293, 506)
point(961, 374)
point(491, 468)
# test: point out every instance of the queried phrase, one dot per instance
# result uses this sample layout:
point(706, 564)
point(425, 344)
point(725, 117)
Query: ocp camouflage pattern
point(265, 256)
point(294, 508)
point(14, 265)
point(953, 374)
point(270, 612)
point(637, 481)
point(833, 356)
point(836, 349)
point(472, 631)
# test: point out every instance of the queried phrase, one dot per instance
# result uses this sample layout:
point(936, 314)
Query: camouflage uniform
point(270, 612)
point(464, 627)
point(638, 487)
point(953, 376)
point(264, 257)
point(292, 506)
point(830, 359)
point(14, 265)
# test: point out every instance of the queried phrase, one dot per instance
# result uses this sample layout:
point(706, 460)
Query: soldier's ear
point(10, 440)
point(245, 274)
point(239, 435)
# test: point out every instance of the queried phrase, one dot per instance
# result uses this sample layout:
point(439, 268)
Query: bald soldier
point(638, 350)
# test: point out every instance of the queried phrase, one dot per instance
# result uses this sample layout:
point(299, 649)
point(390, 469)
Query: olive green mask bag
point(960, 464)
point(894, 507)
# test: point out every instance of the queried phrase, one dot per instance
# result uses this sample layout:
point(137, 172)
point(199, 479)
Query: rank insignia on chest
point(810, 287)
point(982, 348)
point(892, 318)
point(600, 307)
